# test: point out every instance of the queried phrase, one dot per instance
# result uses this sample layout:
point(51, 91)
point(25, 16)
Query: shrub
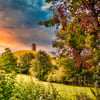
point(42, 65)
point(7, 86)
point(57, 76)
point(8, 61)
point(25, 62)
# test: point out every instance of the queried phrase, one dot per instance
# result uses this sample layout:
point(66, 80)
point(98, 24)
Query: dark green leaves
point(47, 23)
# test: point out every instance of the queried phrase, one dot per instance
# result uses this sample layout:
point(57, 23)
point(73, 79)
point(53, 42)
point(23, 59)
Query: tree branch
point(89, 7)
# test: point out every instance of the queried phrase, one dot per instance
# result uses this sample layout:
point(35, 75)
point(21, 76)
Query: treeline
point(46, 68)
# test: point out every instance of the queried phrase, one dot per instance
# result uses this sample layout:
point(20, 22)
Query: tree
point(42, 65)
point(86, 13)
point(25, 62)
point(68, 66)
point(47, 23)
point(8, 61)
point(68, 39)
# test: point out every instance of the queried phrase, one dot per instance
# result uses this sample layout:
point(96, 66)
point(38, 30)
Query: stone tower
point(34, 47)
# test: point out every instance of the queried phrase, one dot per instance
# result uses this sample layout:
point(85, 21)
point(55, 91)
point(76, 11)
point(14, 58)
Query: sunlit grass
point(21, 52)
point(64, 90)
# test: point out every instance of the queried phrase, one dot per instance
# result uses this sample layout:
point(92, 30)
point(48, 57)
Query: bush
point(7, 86)
point(25, 62)
point(8, 61)
point(57, 76)
point(42, 65)
point(63, 72)
point(52, 77)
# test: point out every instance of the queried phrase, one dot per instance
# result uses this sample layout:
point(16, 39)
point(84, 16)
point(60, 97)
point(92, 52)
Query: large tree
point(87, 15)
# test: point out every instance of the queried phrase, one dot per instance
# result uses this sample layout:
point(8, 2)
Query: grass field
point(63, 90)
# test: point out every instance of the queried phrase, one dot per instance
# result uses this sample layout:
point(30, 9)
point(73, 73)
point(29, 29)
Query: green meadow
point(66, 91)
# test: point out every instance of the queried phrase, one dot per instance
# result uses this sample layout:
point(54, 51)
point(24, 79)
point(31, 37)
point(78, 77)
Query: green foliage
point(79, 31)
point(67, 65)
point(47, 23)
point(8, 61)
point(64, 73)
point(7, 86)
point(66, 38)
point(58, 77)
point(91, 44)
point(11, 89)
point(25, 62)
point(48, 1)
point(42, 65)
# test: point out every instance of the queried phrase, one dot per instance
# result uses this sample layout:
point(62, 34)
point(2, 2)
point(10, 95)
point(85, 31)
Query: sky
point(19, 25)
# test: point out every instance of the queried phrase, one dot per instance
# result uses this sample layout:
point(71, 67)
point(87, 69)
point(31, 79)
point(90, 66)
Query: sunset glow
point(19, 29)
point(7, 40)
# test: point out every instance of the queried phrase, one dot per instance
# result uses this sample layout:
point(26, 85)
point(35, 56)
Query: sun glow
point(9, 40)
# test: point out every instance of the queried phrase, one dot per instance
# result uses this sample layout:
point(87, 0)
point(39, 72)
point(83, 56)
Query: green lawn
point(64, 90)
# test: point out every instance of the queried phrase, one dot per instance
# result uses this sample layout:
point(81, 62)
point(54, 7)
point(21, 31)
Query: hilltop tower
point(33, 47)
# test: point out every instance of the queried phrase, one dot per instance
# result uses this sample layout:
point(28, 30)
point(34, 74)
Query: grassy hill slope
point(21, 52)
point(64, 90)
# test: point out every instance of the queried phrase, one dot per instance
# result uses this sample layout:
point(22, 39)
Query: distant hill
point(21, 52)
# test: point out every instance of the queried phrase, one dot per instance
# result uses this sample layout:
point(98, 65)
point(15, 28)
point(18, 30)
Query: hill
point(22, 52)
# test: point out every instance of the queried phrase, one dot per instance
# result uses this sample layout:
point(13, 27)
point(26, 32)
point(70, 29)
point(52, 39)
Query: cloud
point(27, 36)
point(23, 38)
point(19, 24)
point(45, 6)
point(9, 40)
point(19, 12)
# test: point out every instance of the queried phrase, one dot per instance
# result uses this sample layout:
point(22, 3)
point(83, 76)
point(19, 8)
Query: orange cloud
point(9, 40)
point(21, 39)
